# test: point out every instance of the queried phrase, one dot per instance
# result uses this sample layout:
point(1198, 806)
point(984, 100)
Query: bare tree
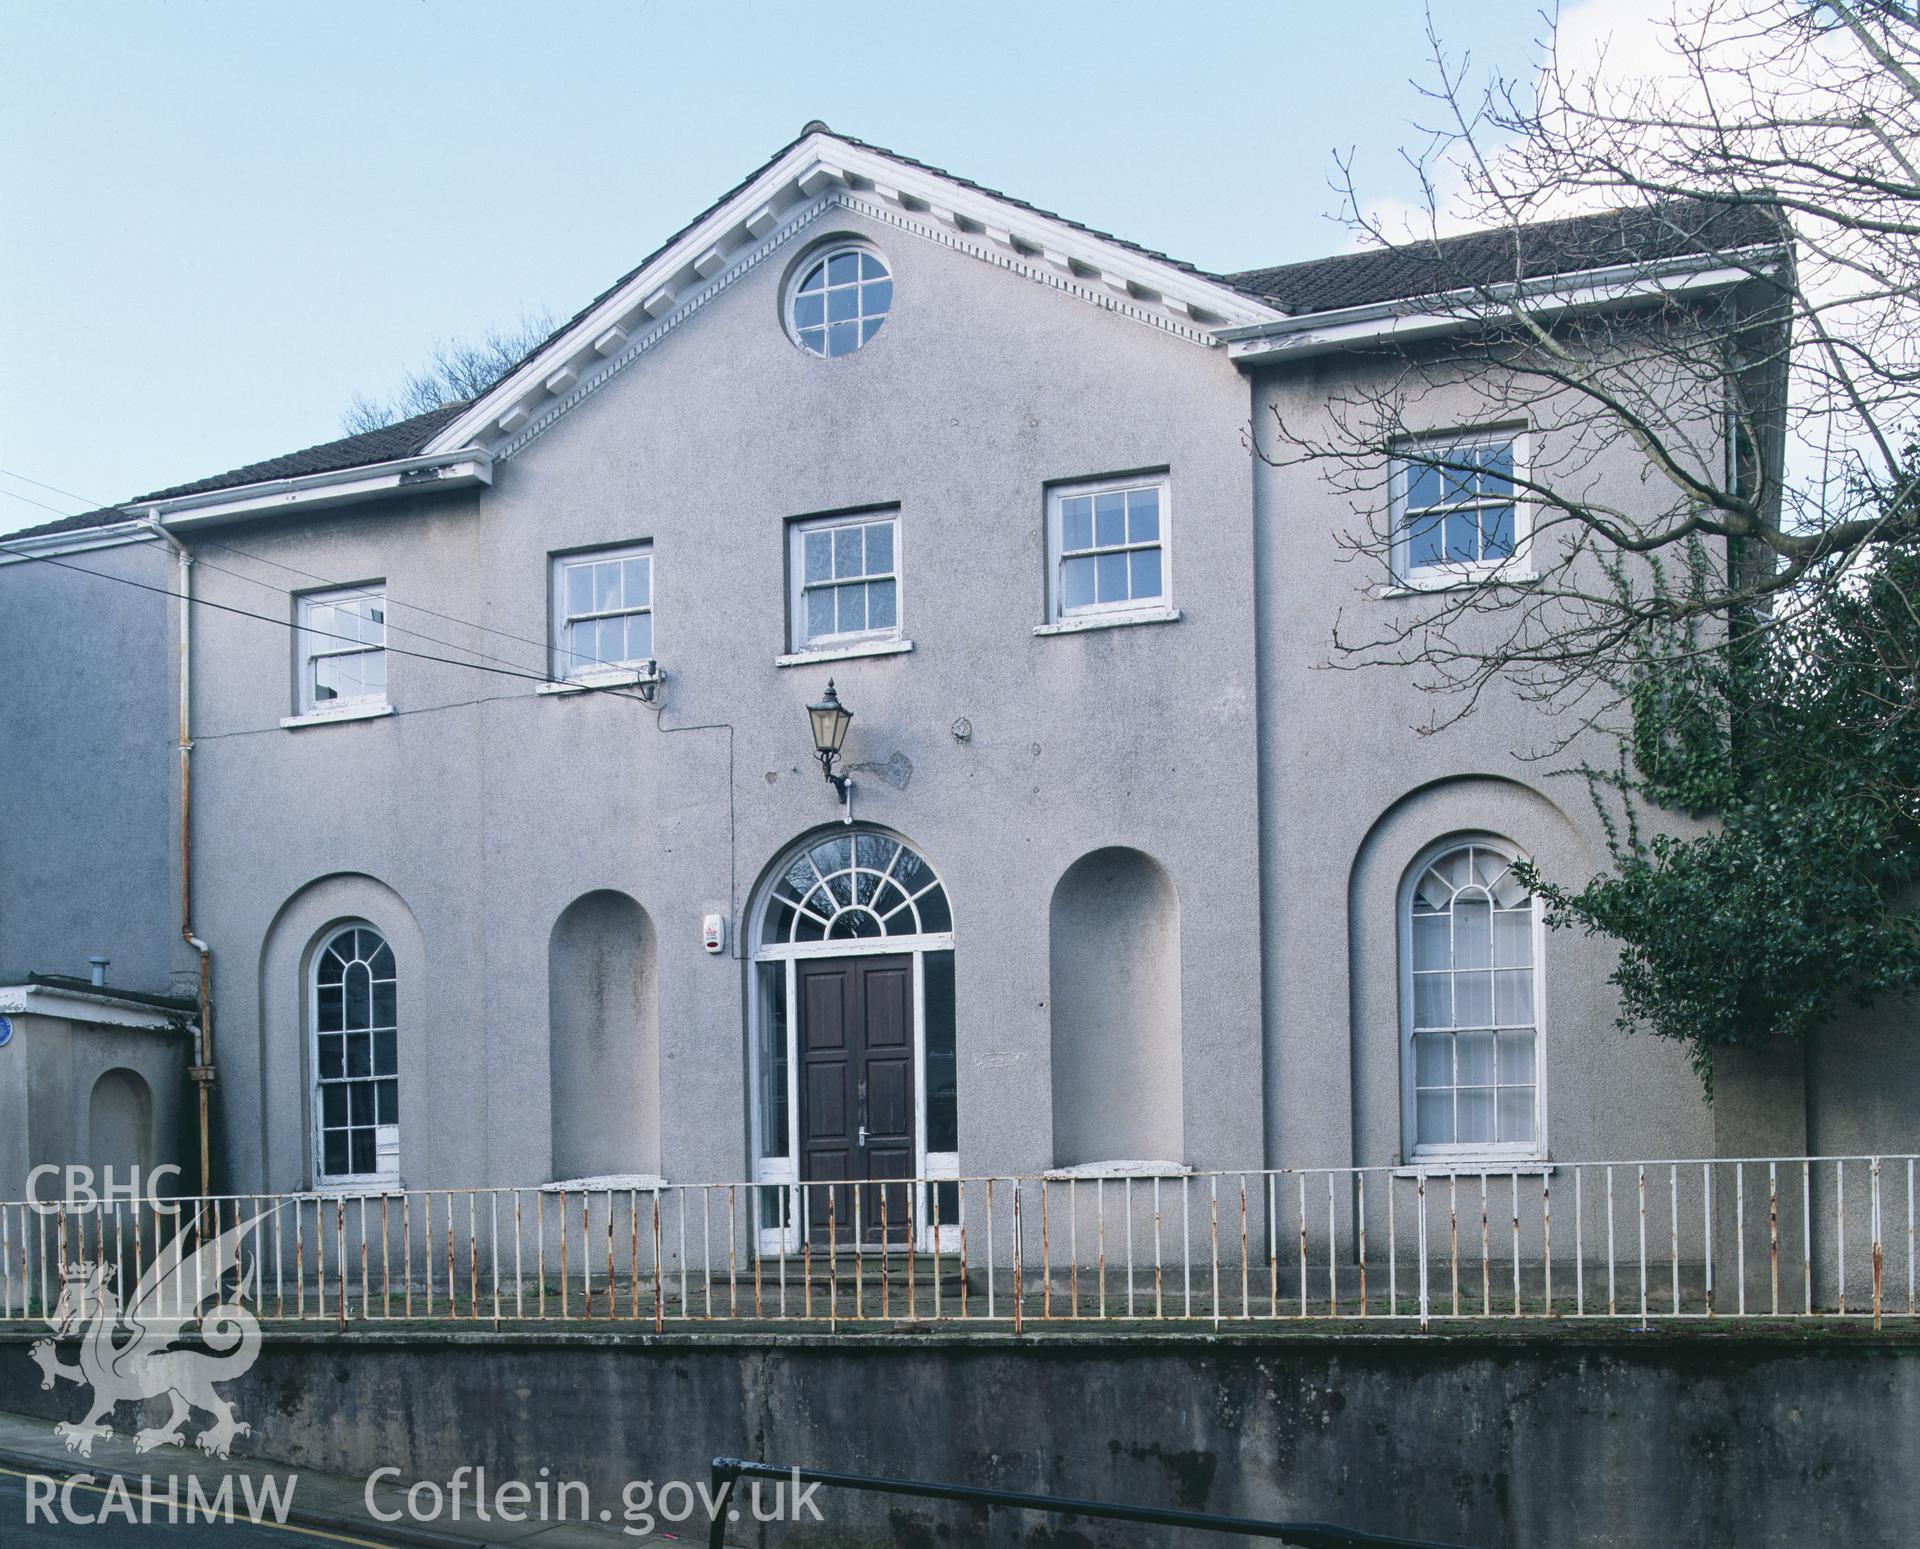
point(1771, 415)
point(455, 372)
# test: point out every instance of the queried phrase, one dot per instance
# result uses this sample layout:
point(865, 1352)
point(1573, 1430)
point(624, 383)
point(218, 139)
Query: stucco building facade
point(510, 851)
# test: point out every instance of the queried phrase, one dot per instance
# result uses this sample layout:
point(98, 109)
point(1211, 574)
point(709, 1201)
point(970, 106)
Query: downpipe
point(201, 1072)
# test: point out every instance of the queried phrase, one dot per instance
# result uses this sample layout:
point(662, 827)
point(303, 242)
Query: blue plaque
point(6, 1031)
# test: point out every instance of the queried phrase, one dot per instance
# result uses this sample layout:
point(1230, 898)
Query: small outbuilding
point(93, 1077)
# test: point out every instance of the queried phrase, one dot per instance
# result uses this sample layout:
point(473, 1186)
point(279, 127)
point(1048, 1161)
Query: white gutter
point(75, 540)
point(466, 468)
point(1462, 310)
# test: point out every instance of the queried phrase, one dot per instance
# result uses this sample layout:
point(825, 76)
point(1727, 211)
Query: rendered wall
point(1863, 1079)
point(1282, 801)
point(1634, 1441)
point(484, 809)
point(54, 1110)
point(1354, 787)
point(89, 846)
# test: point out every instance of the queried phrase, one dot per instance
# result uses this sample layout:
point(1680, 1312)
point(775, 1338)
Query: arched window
point(356, 1057)
point(853, 886)
point(1470, 1004)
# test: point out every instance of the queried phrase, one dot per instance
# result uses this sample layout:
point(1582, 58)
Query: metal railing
point(1641, 1241)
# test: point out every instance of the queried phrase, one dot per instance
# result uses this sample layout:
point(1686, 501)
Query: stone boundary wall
point(1747, 1438)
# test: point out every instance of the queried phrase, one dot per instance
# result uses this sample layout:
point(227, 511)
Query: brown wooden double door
point(855, 1038)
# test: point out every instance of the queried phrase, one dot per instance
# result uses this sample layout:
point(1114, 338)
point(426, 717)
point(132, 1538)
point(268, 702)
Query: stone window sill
point(1456, 583)
point(611, 1183)
point(1473, 1166)
point(626, 677)
point(1079, 626)
point(1095, 1171)
point(333, 717)
point(844, 653)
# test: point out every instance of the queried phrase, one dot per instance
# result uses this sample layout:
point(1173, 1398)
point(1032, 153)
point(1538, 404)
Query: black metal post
point(725, 1475)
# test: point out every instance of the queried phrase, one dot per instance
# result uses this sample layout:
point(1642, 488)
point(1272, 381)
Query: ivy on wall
point(1800, 742)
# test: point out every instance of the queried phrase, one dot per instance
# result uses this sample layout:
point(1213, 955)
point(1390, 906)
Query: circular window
point(839, 301)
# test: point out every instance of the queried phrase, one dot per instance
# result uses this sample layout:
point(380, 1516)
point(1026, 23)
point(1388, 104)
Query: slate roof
point(106, 516)
point(1668, 230)
point(403, 438)
point(1649, 233)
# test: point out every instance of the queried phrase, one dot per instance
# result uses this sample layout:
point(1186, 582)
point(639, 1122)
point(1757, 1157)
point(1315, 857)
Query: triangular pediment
point(818, 174)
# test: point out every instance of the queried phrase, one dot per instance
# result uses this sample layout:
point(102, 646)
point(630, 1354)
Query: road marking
point(281, 1527)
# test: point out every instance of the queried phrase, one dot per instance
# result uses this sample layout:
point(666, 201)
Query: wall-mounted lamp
point(830, 719)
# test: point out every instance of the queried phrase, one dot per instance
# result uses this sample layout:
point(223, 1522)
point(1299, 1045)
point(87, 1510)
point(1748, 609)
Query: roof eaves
point(1021, 204)
point(627, 279)
point(1659, 231)
point(72, 984)
point(403, 438)
point(83, 521)
point(365, 449)
point(817, 127)
point(565, 366)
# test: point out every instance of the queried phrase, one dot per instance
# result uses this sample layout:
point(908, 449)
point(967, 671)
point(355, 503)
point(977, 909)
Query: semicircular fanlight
point(855, 887)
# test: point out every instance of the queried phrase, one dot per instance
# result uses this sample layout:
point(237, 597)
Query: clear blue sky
point(220, 220)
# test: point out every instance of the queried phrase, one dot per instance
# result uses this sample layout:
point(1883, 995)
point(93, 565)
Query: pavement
point(51, 1498)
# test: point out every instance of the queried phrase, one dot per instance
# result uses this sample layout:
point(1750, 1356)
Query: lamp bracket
point(840, 782)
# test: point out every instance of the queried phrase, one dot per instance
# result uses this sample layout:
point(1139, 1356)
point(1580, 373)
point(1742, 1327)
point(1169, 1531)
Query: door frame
point(929, 1166)
point(855, 972)
point(785, 1170)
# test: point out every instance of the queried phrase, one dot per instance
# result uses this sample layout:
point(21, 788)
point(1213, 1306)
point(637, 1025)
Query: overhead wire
point(202, 542)
point(291, 626)
point(392, 602)
point(14, 494)
point(656, 705)
point(53, 489)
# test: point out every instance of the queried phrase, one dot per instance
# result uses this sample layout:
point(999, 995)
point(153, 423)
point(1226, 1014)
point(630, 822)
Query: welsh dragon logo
point(126, 1352)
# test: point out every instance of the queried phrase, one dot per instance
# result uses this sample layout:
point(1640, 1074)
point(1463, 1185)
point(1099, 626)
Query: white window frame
point(1443, 1155)
point(806, 266)
point(1519, 566)
point(387, 1145)
point(314, 645)
point(798, 644)
point(1160, 607)
point(558, 656)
